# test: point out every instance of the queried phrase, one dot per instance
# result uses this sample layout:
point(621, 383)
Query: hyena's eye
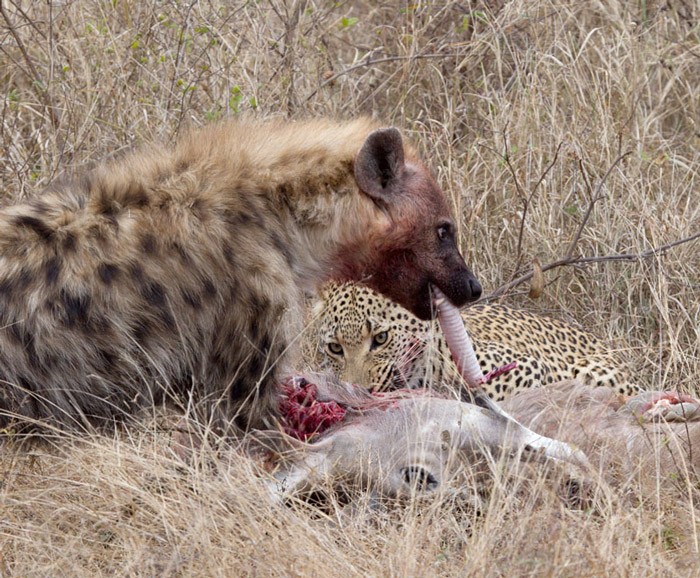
point(335, 348)
point(444, 231)
point(379, 339)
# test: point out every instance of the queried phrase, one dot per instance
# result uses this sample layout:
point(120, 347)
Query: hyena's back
point(151, 274)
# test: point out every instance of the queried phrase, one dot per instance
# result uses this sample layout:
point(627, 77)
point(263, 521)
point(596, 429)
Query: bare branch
point(653, 252)
point(38, 86)
point(369, 61)
point(589, 211)
point(526, 199)
point(550, 166)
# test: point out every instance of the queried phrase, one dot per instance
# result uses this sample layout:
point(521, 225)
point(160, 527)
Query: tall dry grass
point(531, 112)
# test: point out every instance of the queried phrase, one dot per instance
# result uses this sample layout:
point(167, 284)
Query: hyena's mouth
point(424, 304)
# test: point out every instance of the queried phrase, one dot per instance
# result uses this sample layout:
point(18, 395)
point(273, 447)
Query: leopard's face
point(368, 340)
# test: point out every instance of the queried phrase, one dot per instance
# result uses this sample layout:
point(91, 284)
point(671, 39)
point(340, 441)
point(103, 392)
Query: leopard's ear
point(317, 309)
point(329, 289)
point(321, 298)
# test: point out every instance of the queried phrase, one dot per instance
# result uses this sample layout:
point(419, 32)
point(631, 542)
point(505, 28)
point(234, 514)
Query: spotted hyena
point(179, 272)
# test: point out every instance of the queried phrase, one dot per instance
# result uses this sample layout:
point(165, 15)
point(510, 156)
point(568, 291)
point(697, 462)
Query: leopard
point(367, 339)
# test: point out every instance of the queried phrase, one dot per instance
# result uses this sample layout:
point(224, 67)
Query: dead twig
point(39, 88)
point(369, 61)
point(653, 252)
point(288, 60)
point(525, 199)
point(594, 199)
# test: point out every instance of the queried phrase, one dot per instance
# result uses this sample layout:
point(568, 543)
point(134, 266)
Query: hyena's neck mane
point(304, 173)
point(291, 184)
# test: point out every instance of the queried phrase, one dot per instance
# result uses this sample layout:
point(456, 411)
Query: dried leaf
point(537, 282)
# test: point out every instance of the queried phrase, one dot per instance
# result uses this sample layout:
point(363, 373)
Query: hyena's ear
point(379, 164)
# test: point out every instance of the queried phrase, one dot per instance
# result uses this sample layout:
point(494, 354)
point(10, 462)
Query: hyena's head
point(418, 248)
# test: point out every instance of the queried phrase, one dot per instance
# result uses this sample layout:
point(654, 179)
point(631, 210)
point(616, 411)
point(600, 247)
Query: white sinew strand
point(458, 341)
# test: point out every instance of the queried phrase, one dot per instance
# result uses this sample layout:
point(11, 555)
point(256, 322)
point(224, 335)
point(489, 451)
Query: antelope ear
point(379, 164)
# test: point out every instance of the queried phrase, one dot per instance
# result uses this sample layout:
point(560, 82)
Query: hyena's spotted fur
point(180, 270)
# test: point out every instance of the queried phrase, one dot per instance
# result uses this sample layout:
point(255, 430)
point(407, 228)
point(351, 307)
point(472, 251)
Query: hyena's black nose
point(464, 288)
point(460, 287)
point(474, 288)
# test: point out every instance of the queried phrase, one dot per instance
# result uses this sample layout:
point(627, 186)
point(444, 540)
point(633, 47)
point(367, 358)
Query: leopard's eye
point(380, 339)
point(335, 348)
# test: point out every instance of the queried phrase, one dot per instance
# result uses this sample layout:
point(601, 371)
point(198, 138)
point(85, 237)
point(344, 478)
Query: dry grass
point(520, 104)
